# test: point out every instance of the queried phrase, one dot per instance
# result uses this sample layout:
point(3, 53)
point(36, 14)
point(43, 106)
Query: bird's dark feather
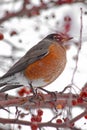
point(35, 53)
point(9, 87)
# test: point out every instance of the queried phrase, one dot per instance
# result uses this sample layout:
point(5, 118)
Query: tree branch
point(35, 10)
point(41, 100)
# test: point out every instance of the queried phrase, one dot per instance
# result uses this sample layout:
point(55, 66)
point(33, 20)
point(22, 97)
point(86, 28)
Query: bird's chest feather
point(49, 67)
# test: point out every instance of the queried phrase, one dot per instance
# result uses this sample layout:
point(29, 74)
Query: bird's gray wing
point(35, 53)
point(9, 87)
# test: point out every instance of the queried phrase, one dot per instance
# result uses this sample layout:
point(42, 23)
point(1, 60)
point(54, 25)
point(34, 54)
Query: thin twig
point(79, 49)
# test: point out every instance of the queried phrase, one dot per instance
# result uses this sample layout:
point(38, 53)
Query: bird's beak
point(67, 39)
point(70, 38)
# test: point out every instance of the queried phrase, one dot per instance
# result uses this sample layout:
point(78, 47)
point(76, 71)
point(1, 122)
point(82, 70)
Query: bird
point(40, 66)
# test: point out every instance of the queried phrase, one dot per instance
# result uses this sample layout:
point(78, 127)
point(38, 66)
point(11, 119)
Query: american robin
point(40, 66)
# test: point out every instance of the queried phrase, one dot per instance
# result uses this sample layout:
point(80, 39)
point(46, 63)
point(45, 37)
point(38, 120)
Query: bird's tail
point(2, 84)
point(4, 81)
point(6, 84)
point(9, 87)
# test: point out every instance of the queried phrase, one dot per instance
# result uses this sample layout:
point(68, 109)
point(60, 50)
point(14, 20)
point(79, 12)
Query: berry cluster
point(1, 36)
point(65, 120)
point(59, 121)
point(36, 119)
point(77, 101)
point(80, 99)
point(60, 2)
point(23, 91)
point(83, 94)
point(67, 23)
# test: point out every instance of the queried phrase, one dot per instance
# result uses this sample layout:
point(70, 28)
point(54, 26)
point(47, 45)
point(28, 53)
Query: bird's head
point(59, 37)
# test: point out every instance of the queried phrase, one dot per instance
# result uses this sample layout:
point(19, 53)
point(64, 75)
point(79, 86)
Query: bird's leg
point(32, 89)
point(35, 96)
point(53, 94)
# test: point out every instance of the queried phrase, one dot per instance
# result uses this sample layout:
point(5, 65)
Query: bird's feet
point(53, 94)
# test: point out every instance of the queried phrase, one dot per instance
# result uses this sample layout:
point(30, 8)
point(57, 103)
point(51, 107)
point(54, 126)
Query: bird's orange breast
point(49, 67)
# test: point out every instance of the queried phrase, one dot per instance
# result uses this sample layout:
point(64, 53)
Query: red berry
point(40, 112)
point(79, 100)
point(19, 127)
point(38, 118)
point(67, 18)
point(85, 116)
point(69, 1)
point(64, 1)
point(34, 126)
point(74, 102)
point(13, 33)
point(83, 94)
point(1, 36)
point(59, 121)
point(33, 119)
point(22, 91)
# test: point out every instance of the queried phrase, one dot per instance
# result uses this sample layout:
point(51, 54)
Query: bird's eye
point(56, 38)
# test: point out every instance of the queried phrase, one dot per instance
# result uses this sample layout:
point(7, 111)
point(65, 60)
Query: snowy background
point(32, 30)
